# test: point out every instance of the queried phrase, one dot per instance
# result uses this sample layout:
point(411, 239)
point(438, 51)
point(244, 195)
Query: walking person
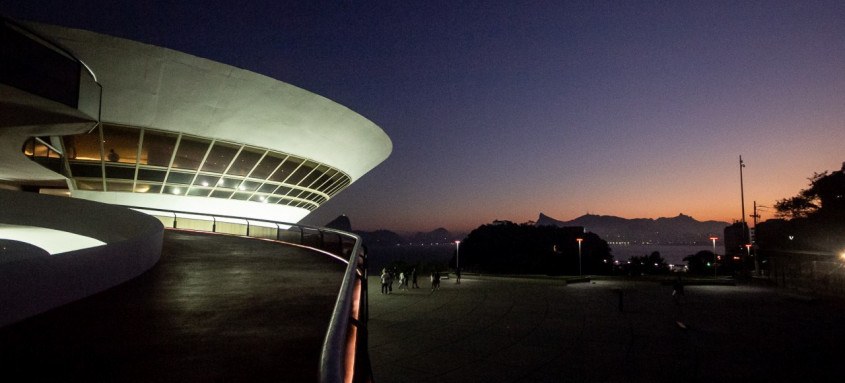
point(403, 283)
point(414, 284)
point(384, 281)
point(677, 290)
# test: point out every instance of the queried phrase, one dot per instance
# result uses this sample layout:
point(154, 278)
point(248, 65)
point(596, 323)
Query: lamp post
point(457, 262)
point(714, 238)
point(579, 254)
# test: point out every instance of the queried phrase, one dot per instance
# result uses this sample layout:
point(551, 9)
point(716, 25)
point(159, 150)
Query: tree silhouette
point(700, 263)
point(816, 216)
point(506, 247)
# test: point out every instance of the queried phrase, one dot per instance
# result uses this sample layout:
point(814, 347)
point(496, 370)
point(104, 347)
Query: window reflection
point(206, 180)
point(266, 166)
point(120, 144)
point(252, 174)
point(122, 172)
point(219, 158)
point(89, 184)
point(180, 178)
point(190, 153)
point(157, 148)
point(245, 162)
point(286, 169)
point(300, 173)
point(83, 146)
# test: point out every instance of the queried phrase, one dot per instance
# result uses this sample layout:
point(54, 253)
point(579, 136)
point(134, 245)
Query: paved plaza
point(214, 309)
point(497, 329)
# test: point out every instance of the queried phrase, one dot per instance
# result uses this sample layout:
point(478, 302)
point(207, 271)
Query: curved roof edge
point(156, 87)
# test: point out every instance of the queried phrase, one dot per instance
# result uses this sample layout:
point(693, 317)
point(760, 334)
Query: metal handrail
point(344, 356)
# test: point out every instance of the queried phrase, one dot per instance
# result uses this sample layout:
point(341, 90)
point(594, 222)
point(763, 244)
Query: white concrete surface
point(50, 240)
point(155, 87)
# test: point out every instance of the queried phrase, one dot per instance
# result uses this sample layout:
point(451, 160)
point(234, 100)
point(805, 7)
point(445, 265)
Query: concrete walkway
point(493, 329)
point(215, 308)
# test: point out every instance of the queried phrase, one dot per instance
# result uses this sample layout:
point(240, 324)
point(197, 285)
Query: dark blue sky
point(503, 111)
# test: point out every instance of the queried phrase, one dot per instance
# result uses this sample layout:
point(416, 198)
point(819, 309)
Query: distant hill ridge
point(682, 229)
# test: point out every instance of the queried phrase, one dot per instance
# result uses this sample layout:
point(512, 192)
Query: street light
point(579, 254)
point(457, 262)
point(714, 238)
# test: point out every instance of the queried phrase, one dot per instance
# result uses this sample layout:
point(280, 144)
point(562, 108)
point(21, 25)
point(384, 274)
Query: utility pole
point(742, 198)
point(756, 258)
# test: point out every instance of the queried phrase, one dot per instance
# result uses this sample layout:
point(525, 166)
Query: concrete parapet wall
point(31, 285)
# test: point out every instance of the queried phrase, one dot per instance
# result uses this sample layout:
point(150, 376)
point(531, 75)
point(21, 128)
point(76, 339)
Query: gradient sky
point(504, 111)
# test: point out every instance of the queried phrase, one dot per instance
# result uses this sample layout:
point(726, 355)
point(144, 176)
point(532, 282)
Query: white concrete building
point(176, 131)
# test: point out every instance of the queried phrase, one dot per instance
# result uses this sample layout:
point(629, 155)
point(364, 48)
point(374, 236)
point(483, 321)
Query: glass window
point(175, 189)
point(241, 196)
point(245, 162)
point(286, 169)
point(38, 149)
point(220, 157)
point(199, 191)
point(83, 146)
point(323, 180)
point(258, 198)
point(272, 199)
point(286, 201)
point(283, 190)
point(310, 180)
point(151, 175)
point(190, 153)
point(118, 186)
point(300, 173)
point(249, 186)
point(89, 184)
point(221, 193)
point(120, 143)
point(157, 148)
point(267, 188)
point(206, 180)
point(228, 183)
point(86, 170)
point(146, 188)
point(122, 172)
point(180, 178)
point(28, 146)
point(266, 166)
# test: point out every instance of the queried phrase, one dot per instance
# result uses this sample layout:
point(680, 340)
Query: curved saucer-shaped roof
point(155, 87)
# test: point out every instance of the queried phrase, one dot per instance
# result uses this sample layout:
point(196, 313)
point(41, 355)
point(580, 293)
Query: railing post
point(213, 224)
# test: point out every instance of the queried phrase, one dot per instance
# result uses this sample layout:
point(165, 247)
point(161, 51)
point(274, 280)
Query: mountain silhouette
point(682, 229)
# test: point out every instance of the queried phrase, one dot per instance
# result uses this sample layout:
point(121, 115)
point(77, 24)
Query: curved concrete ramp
point(88, 247)
point(215, 308)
